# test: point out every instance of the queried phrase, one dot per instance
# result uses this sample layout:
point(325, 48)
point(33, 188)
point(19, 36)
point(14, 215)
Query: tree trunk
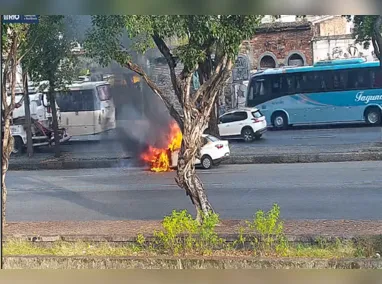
point(188, 179)
point(52, 103)
point(194, 124)
point(7, 149)
point(213, 126)
point(192, 119)
point(8, 75)
point(27, 115)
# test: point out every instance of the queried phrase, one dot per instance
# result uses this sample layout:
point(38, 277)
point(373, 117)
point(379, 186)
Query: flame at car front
point(159, 158)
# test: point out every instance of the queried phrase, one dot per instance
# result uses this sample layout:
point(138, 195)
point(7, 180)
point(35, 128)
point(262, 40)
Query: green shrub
point(268, 237)
point(182, 234)
point(177, 233)
point(207, 238)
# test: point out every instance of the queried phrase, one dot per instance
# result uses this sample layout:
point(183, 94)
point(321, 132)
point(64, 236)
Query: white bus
point(86, 108)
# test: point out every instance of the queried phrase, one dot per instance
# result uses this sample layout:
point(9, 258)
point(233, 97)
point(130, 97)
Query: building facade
point(333, 39)
point(279, 44)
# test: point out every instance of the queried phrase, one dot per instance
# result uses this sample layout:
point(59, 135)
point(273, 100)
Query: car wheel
point(17, 146)
point(373, 116)
point(247, 134)
point(280, 120)
point(206, 162)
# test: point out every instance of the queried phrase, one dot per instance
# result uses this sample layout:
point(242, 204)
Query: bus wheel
point(279, 120)
point(373, 116)
point(17, 146)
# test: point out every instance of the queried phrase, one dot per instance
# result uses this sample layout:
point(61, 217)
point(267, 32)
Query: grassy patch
point(181, 235)
point(16, 247)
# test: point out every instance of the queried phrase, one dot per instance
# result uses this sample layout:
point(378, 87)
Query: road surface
point(303, 191)
point(272, 139)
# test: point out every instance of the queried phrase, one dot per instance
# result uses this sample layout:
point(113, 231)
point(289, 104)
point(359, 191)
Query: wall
point(280, 41)
point(336, 26)
point(325, 48)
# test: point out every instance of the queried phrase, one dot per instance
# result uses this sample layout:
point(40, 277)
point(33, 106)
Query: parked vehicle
point(86, 108)
point(42, 132)
point(39, 108)
point(41, 135)
point(245, 123)
point(329, 92)
point(212, 153)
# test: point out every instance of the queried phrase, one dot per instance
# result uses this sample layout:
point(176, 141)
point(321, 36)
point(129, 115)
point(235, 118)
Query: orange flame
point(159, 159)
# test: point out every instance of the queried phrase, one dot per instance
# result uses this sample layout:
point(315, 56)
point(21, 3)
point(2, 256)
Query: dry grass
point(17, 247)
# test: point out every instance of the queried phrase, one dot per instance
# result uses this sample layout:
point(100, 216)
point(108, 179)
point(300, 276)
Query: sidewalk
point(108, 156)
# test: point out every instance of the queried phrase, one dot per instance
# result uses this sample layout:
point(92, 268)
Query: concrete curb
point(304, 158)
point(57, 262)
point(372, 241)
point(69, 164)
point(247, 159)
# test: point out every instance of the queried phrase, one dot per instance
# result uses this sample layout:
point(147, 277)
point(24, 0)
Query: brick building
point(280, 43)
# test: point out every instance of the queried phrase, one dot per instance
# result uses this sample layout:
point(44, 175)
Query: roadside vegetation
point(183, 236)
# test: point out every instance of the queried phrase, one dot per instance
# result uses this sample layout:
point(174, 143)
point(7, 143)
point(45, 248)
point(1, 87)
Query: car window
point(240, 115)
point(257, 114)
point(212, 138)
point(227, 118)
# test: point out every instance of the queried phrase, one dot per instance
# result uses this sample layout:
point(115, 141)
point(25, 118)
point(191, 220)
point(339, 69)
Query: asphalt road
point(272, 139)
point(303, 191)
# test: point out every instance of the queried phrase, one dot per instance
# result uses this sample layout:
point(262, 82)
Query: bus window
point(103, 93)
point(65, 102)
point(376, 78)
point(276, 85)
point(251, 91)
point(76, 101)
point(302, 84)
point(290, 84)
point(358, 79)
point(87, 101)
point(258, 88)
point(340, 79)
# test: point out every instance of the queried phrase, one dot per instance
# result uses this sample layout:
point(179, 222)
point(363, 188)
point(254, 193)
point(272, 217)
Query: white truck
point(41, 126)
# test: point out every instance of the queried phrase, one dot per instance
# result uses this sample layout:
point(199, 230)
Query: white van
point(86, 108)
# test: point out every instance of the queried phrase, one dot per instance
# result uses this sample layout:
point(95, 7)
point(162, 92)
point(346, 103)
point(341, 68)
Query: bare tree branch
point(214, 87)
point(376, 48)
point(203, 89)
point(4, 88)
point(14, 73)
point(165, 50)
point(28, 50)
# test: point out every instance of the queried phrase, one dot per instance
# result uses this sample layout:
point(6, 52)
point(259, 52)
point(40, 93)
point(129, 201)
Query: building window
point(267, 62)
point(295, 60)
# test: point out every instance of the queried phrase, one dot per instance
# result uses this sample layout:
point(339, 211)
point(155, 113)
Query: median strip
point(178, 240)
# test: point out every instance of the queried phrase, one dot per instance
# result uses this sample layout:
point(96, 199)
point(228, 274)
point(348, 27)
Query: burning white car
point(212, 152)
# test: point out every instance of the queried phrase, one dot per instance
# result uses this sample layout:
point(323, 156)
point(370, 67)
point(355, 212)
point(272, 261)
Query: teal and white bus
point(329, 92)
